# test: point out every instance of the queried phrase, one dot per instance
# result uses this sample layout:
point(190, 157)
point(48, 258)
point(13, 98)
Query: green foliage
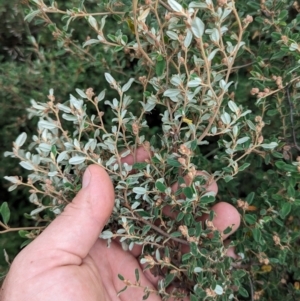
point(224, 77)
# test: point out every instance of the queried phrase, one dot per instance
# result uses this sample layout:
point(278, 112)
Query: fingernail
point(86, 178)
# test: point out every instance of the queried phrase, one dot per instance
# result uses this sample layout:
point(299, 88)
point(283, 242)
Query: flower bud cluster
point(278, 81)
point(262, 258)
point(260, 94)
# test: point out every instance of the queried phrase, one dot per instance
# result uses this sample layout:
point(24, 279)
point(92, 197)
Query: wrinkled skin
point(68, 262)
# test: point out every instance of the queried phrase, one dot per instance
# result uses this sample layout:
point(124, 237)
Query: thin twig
point(159, 230)
point(145, 55)
point(8, 229)
point(292, 116)
point(251, 288)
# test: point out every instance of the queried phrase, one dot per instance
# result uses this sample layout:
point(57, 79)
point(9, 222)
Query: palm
point(71, 278)
point(69, 262)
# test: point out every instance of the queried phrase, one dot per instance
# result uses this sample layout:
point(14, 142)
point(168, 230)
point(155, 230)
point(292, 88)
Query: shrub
point(224, 77)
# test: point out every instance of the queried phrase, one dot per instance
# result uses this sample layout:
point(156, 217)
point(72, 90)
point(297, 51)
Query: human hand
point(69, 262)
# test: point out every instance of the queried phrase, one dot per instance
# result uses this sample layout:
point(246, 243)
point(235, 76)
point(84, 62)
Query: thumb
point(79, 225)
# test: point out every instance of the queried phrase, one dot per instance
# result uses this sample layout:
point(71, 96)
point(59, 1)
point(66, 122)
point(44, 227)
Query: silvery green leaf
point(106, 234)
point(148, 107)
point(222, 84)
point(21, 139)
point(212, 54)
point(209, 194)
point(176, 80)
point(127, 100)
point(139, 190)
point(36, 211)
point(56, 211)
point(81, 93)
point(219, 11)
point(9, 154)
point(271, 145)
point(157, 254)
point(198, 27)
point(45, 147)
point(76, 143)
point(109, 78)
point(111, 161)
point(232, 106)
point(171, 93)
point(218, 290)
point(101, 95)
point(135, 205)
point(125, 154)
point(12, 187)
point(203, 142)
point(69, 117)
point(242, 140)
point(225, 117)
point(52, 173)
point(198, 270)
point(215, 35)
point(195, 4)
point(77, 103)
point(205, 117)
point(251, 125)
point(93, 22)
point(213, 130)
point(245, 113)
point(100, 38)
point(103, 20)
point(194, 82)
point(64, 108)
point(47, 125)
point(28, 155)
point(28, 18)
point(33, 198)
point(175, 6)
point(90, 42)
point(144, 14)
point(225, 14)
point(188, 39)
point(172, 35)
point(229, 47)
point(26, 165)
point(235, 130)
point(293, 47)
point(127, 85)
point(227, 86)
point(192, 94)
point(91, 144)
point(77, 160)
point(37, 106)
point(62, 156)
point(123, 114)
point(14, 180)
point(115, 103)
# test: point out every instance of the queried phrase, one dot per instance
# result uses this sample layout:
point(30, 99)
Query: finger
point(118, 262)
point(210, 186)
point(77, 228)
point(226, 216)
point(230, 252)
point(142, 153)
